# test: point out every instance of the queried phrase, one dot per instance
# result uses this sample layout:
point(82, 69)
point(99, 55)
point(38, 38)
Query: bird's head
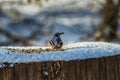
point(58, 34)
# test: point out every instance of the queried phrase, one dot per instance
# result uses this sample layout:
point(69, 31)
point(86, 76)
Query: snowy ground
point(76, 18)
point(74, 51)
point(74, 22)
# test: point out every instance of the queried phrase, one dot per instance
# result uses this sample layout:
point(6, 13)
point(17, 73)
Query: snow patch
point(2, 65)
point(11, 65)
point(74, 51)
point(29, 9)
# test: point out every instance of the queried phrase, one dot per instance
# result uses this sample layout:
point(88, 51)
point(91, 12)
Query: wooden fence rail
point(107, 68)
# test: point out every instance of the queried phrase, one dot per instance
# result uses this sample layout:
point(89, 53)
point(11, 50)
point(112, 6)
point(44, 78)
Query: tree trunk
point(108, 28)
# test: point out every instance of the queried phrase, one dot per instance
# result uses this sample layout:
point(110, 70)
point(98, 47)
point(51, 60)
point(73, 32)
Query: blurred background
point(33, 22)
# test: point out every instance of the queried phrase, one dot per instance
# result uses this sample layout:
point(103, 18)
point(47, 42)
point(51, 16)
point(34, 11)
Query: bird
point(56, 42)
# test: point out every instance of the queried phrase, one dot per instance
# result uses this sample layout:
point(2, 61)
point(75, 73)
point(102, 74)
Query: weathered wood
point(118, 61)
point(2, 73)
point(31, 71)
point(95, 69)
point(38, 71)
point(62, 70)
point(78, 71)
point(50, 71)
point(69, 70)
point(19, 72)
point(81, 70)
point(54, 70)
point(44, 71)
point(89, 70)
point(111, 67)
point(102, 69)
point(7, 70)
point(92, 69)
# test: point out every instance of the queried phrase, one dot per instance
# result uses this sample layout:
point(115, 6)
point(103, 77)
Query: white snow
point(75, 51)
point(29, 9)
point(11, 65)
point(33, 9)
point(2, 65)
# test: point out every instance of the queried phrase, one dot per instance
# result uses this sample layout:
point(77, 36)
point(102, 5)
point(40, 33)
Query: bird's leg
point(52, 45)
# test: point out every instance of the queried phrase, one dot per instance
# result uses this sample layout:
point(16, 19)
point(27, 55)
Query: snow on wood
point(74, 51)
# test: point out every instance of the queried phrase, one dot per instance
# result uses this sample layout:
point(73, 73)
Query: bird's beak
point(61, 33)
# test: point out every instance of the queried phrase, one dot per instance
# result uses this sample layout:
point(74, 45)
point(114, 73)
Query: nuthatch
point(56, 42)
